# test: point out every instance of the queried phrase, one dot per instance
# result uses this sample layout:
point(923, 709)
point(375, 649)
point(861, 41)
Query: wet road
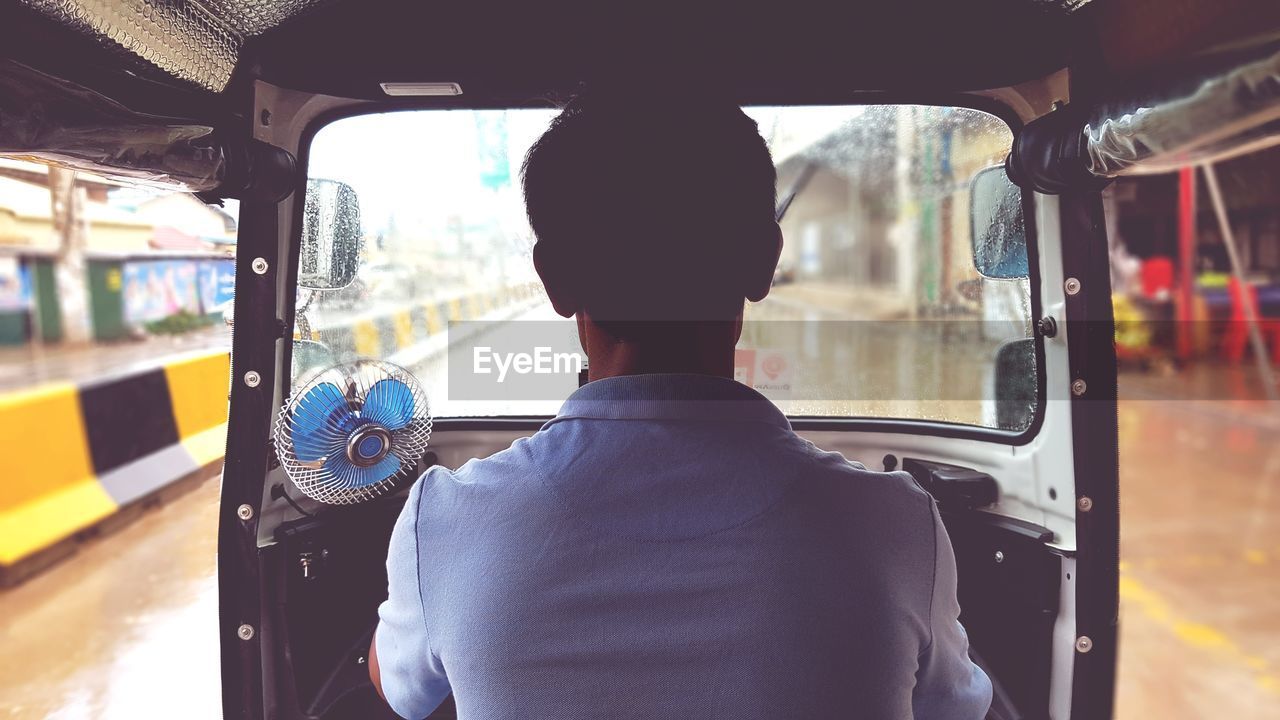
point(1200, 549)
point(32, 364)
point(126, 627)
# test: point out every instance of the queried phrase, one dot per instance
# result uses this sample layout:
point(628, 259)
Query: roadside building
point(147, 255)
point(878, 219)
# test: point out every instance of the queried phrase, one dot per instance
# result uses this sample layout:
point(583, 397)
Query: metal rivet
point(1084, 644)
point(1078, 387)
point(244, 512)
point(1085, 503)
point(260, 265)
point(1048, 326)
point(245, 632)
point(252, 378)
point(999, 556)
point(1072, 285)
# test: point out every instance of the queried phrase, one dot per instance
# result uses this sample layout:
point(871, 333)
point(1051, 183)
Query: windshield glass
point(877, 308)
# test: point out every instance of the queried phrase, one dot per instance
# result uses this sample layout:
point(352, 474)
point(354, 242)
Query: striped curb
point(400, 329)
point(74, 455)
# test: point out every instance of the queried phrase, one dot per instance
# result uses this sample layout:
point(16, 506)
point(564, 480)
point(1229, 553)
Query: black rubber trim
point(253, 347)
point(886, 426)
point(1050, 156)
point(1092, 357)
point(1013, 525)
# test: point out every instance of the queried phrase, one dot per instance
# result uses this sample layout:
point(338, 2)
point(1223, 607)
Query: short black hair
point(652, 198)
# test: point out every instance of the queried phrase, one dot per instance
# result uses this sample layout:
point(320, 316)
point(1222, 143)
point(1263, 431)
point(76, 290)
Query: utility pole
point(1249, 307)
point(71, 228)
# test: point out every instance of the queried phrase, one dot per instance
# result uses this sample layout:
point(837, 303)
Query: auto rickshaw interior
point(377, 218)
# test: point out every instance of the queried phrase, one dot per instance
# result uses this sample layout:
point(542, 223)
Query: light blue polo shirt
point(667, 547)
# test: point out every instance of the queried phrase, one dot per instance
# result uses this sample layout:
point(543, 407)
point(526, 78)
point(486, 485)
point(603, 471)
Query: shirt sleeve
point(948, 684)
point(413, 679)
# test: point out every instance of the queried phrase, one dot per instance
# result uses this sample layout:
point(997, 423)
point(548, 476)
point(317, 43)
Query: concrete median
point(408, 328)
point(78, 454)
point(74, 455)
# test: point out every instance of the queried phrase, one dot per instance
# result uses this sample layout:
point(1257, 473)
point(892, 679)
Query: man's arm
point(374, 673)
point(948, 684)
point(402, 666)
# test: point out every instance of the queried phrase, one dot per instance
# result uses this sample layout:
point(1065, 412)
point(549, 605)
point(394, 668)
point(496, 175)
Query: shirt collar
point(663, 396)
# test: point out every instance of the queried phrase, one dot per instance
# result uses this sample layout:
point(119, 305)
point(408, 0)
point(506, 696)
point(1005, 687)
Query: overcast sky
point(427, 165)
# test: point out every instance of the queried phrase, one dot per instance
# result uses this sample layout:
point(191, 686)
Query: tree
point(72, 230)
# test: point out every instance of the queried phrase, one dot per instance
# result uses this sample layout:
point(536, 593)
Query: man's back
point(667, 547)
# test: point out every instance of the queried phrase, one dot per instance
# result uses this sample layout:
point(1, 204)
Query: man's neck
point(704, 348)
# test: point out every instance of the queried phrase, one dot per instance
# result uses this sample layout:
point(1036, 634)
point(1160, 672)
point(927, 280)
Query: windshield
point(877, 308)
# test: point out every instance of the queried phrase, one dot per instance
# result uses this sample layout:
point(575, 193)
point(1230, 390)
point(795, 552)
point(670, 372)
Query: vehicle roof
point(530, 50)
point(506, 51)
point(520, 52)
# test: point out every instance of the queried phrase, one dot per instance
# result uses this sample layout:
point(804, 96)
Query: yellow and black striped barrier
point(385, 334)
point(73, 455)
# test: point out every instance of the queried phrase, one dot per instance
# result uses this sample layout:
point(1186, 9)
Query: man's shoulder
point(844, 483)
point(479, 475)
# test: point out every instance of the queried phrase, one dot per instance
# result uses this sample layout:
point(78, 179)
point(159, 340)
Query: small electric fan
point(352, 431)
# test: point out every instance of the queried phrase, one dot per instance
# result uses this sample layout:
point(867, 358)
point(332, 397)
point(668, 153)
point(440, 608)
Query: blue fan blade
point(352, 476)
point(389, 403)
point(321, 420)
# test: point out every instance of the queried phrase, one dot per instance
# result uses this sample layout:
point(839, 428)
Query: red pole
point(1186, 259)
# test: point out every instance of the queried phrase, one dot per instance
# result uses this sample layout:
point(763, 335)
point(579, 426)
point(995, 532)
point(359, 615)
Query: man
point(666, 546)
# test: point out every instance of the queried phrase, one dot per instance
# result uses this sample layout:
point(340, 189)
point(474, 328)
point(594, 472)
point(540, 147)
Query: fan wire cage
point(353, 432)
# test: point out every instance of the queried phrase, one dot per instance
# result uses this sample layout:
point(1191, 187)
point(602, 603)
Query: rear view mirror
point(996, 226)
point(1015, 384)
point(331, 236)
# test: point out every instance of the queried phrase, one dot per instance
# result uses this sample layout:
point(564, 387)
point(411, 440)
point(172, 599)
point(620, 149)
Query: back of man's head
point(653, 206)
